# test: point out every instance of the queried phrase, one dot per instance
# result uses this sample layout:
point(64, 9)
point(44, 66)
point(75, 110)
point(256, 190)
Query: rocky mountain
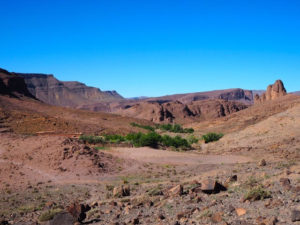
point(273, 92)
point(70, 94)
point(237, 94)
point(179, 112)
point(13, 85)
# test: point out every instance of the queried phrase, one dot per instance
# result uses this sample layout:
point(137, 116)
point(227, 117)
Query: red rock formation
point(274, 91)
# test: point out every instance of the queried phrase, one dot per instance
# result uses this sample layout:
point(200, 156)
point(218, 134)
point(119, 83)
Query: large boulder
point(78, 211)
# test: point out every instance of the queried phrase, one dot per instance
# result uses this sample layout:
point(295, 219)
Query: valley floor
point(48, 173)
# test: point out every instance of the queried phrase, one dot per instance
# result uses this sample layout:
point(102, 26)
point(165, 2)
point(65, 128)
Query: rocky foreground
point(264, 192)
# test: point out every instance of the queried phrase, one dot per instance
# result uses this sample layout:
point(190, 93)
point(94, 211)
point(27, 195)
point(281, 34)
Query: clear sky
point(156, 47)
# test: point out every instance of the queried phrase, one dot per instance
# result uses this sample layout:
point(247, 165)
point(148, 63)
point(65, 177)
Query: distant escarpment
point(273, 92)
point(182, 113)
point(70, 94)
point(13, 85)
point(237, 94)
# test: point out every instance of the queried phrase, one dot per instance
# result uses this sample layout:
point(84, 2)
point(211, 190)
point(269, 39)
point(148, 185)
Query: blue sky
point(153, 48)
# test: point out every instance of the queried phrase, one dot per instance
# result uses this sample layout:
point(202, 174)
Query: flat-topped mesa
point(274, 91)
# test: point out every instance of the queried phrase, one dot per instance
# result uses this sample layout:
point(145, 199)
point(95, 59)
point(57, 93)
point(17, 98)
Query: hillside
point(69, 94)
point(178, 112)
point(13, 85)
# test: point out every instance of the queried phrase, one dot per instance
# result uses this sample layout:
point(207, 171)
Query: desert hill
point(278, 135)
point(69, 94)
point(277, 101)
point(21, 112)
point(29, 116)
point(237, 94)
point(176, 111)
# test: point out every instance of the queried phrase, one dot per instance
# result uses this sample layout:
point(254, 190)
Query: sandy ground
point(149, 155)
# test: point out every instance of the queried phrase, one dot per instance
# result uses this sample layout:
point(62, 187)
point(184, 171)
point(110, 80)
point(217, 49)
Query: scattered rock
point(262, 162)
point(210, 186)
point(78, 211)
point(121, 191)
point(217, 217)
point(240, 211)
point(267, 221)
point(176, 191)
point(295, 215)
point(286, 183)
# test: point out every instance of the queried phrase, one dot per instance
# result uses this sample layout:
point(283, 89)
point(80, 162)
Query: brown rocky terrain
point(274, 91)
point(250, 176)
point(13, 85)
point(236, 95)
point(69, 94)
point(178, 112)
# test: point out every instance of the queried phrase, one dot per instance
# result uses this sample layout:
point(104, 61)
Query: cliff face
point(237, 94)
point(13, 85)
point(182, 113)
point(273, 92)
point(71, 94)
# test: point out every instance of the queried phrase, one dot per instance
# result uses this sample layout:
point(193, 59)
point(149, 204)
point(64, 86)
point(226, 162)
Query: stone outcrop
point(70, 94)
point(181, 113)
point(13, 85)
point(274, 91)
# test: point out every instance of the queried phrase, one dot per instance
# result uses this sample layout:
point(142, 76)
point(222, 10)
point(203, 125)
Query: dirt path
point(149, 155)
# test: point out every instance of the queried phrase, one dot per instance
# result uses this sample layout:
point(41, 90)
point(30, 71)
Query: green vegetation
point(139, 139)
point(192, 139)
point(91, 139)
point(114, 138)
point(175, 128)
point(151, 139)
point(210, 137)
point(176, 141)
point(257, 193)
point(49, 215)
point(102, 148)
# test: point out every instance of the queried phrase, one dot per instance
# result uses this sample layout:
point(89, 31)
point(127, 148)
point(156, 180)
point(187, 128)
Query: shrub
point(258, 193)
point(91, 139)
point(210, 137)
point(176, 128)
point(134, 138)
point(151, 139)
point(175, 142)
point(192, 139)
point(114, 138)
point(188, 130)
point(49, 215)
